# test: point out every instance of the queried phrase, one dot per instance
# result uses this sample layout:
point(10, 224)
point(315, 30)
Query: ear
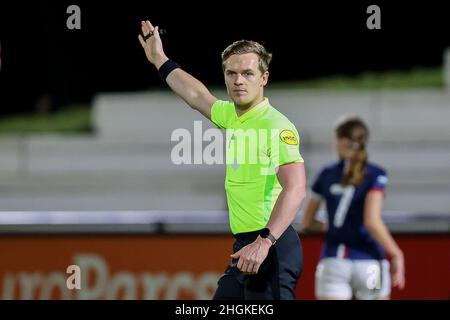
point(265, 78)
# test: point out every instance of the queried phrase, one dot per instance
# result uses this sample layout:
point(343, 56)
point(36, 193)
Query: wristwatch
point(265, 234)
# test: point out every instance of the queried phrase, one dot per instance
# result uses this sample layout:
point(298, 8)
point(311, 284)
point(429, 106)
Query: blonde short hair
point(247, 46)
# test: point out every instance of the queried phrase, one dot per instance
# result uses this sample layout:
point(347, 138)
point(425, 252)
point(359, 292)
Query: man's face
point(243, 79)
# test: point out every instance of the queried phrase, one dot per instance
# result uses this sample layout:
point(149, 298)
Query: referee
point(263, 196)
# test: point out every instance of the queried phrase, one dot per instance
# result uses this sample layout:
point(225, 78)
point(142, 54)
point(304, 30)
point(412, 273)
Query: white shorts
point(344, 279)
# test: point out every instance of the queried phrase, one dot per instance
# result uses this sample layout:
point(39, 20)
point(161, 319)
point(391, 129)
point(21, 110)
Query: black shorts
point(277, 276)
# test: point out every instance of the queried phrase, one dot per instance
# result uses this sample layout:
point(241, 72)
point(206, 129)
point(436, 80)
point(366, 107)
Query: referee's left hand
point(252, 256)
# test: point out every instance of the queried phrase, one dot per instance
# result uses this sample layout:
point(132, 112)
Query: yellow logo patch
point(287, 136)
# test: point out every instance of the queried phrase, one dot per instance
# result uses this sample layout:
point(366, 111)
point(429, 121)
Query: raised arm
point(191, 90)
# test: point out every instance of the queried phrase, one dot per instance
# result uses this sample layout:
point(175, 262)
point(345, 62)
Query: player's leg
point(231, 284)
point(371, 279)
point(289, 258)
point(278, 275)
point(333, 277)
point(229, 288)
point(259, 287)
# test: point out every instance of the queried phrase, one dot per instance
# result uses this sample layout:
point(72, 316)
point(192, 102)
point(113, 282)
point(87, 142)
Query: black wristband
point(166, 68)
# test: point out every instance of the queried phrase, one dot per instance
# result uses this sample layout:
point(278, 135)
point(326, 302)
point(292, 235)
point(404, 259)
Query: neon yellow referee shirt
point(257, 143)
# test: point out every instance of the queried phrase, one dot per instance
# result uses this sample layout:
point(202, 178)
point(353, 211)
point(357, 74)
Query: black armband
point(166, 68)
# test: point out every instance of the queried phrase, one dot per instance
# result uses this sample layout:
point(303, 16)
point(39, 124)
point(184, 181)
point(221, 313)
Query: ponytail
point(354, 173)
point(357, 132)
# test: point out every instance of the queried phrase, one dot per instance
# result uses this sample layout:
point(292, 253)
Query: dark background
point(42, 58)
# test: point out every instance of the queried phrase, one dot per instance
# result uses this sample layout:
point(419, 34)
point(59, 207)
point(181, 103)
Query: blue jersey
point(347, 237)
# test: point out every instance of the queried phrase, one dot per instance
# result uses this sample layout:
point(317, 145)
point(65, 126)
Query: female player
point(353, 263)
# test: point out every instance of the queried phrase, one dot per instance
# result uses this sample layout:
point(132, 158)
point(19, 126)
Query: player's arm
point(292, 179)
point(191, 90)
point(309, 221)
point(379, 231)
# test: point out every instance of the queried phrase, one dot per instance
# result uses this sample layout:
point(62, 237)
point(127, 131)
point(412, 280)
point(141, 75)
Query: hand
point(252, 256)
point(398, 271)
point(152, 46)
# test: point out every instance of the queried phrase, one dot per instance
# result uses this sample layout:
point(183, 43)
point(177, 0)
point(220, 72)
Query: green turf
point(413, 79)
point(76, 118)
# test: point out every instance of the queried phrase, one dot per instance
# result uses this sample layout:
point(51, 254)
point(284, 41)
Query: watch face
point(264, 233)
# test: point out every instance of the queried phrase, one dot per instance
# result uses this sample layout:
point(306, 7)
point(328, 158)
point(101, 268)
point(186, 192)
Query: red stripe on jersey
point(377, 189)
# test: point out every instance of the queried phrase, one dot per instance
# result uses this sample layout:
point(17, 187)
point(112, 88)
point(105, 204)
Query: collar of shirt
point(263, 105)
